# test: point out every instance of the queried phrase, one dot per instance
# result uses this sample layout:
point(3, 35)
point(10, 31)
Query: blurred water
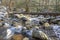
point(2, 32)
point(56, 29)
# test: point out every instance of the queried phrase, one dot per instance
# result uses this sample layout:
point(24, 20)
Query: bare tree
point(27, 5)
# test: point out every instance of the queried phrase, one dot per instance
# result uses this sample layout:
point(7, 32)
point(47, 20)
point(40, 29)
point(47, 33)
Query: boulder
point(18, 37)
point(39, 34)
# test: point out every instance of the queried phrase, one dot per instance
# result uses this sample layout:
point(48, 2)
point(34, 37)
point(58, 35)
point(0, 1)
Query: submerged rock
point(17, 37)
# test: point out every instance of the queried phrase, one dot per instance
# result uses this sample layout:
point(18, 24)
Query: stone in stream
point(26, 38)
point(39, 34)
point(46, 24)
point(17, 37)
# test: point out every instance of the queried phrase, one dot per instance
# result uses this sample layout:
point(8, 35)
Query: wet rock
point(40, 35)
point(18, 37)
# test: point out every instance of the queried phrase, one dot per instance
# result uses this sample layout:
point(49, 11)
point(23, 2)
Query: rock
point(19, 16)
point(26, 38)
point(46, 24)
point(40, 35)
point(18, 37)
